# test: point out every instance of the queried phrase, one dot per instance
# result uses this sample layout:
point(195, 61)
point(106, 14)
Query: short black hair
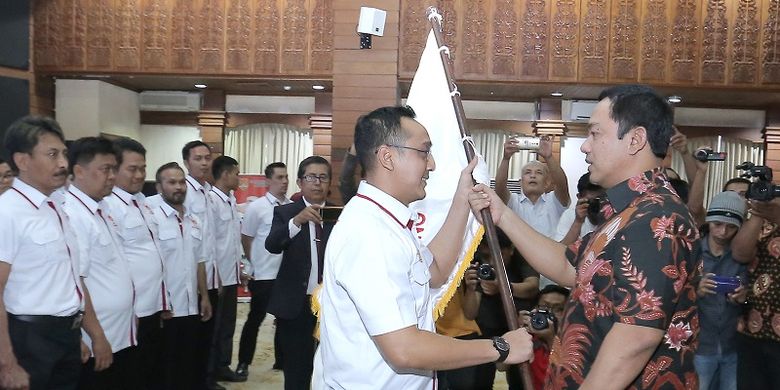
point(23, 135)
point(733, 180)
point(312, 160)
point(164, 167)
point(585, 185)
point(83, 150)
point(185, 151)
point(269, 169)
point(682, 188)
point(379, 127)
point(552, 288)
point(125, 144)
point(221, 165)
point(634, 106)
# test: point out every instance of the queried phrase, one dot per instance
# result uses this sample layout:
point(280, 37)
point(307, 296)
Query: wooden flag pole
point(510, 312)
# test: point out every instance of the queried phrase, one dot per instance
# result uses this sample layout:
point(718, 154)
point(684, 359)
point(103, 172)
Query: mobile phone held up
point(726, 284)
point(330, 213)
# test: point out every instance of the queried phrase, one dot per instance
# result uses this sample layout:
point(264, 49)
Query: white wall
point(90, 107)
point(573, 162)
point(163, 144)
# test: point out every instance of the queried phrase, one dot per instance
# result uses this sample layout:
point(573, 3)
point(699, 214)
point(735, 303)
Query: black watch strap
point(502, 347)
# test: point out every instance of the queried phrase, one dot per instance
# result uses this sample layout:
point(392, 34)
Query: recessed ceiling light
point(491, 92)
point(200, 86)
point(318, 87)
point(674, 99)
point(557, 94)
point(287, 87)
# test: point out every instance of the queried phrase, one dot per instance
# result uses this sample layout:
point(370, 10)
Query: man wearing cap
point(719, 307)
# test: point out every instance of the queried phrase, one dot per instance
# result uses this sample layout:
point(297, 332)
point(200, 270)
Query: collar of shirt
point(307, 203)
point(621, 195)
point(225, 198)
point(274, 200)
point(168, 209)
point(196, 185)
point(392, 205)
point(523, 198)
point(88, 202)
point(34, 196)
point(123, 195)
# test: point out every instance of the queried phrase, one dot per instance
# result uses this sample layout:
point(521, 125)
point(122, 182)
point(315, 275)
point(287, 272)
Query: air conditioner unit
point(581, 110)
point(170, 101)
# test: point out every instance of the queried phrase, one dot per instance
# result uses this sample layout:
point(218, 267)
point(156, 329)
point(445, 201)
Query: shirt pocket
point(198, 205)
point(225, 215)
point(134, 229)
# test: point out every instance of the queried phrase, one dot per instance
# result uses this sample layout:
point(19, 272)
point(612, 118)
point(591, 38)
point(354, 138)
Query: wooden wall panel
point(535, 39)
point(624, 40)
point(685, 38)
point(770, 50)
point(594, 40)
point(715, 53)
point(564, 39)
point(655, 40)
point(745, 43)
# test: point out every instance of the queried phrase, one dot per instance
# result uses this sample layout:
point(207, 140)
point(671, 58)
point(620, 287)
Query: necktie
point(320, 250)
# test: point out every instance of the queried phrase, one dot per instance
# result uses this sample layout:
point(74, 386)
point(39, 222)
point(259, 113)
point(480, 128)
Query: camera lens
point(539, 320)
point(485, 272)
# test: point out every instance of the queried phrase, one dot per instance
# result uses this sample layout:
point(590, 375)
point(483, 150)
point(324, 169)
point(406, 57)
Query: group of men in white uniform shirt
point(141, 277)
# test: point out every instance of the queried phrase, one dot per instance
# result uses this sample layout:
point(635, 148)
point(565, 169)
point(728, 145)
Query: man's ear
point(158, 187)
point(384, 158)
point(77, 170)
point(637, 140)
point(22, 160)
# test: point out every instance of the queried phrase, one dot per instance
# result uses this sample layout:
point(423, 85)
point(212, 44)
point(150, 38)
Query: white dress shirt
point(129, 216)
point(567, 219)
point(181, 249)
point(197, 203)
point(376, 281)
point(227, 236)
point(36, 240)
point(105, 271)
point(257, 224)
point(315, 267)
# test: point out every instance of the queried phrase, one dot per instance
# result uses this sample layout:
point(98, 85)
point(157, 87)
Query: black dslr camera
point(761, 188)
point(541, 319)
point(485, 271)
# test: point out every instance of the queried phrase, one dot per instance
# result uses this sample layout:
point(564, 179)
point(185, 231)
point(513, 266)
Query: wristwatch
point(502, 347)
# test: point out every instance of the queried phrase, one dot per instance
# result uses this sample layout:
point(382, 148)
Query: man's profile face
point(606, 154)
point(96, 178)
point(230, 177)
point(278, 182)
point(199, 162)
point(315, 183)
point(131, 174)
point(413, 162)
point(740, 188)
point(172, 186)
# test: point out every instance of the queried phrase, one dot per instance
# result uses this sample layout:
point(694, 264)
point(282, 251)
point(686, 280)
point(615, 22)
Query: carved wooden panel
point(655, 30)
point(210, 36)
point(744, 44)
point(534, 39)
point(47, 38)
point(624, 40)
point(239, 32)
point(128, 34)
point(715, 40)
point(770, 61)
point(414, 32)
point(74, 31)
point(294, 23)
point(183, 42)
point(505, 39)
point(322, 37)
point(447, 9)
point(156, 17)
point(685, 29)
point(565, 37)
point(267, 37)
point(100, 27)
point(475, 38)
point(594, 44)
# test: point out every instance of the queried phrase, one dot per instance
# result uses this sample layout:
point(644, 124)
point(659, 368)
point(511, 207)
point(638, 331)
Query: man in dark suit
point(299, 232)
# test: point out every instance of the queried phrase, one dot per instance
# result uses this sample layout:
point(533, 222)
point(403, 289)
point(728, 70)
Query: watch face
point(501, 344)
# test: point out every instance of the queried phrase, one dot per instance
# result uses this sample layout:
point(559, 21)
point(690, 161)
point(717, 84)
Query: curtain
point(490, 144)
point(719, 172)
point(257, 145)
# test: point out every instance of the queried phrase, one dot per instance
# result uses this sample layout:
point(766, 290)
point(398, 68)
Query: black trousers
point(261, 294)
point(151, 342)
point(296, 340)
point(180, 361)
point(224, 327)
point(122, 374)
point(51, 355)
point(479, 377)
point(757, 363)
point(204, 340)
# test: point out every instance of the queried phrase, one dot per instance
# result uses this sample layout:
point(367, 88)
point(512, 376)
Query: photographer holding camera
point(720, 293)
point(542, 323)
point(579, 220)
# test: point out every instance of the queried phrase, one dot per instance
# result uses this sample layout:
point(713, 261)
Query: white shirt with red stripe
point(104, 268)
point(227, 236)
point(129, 216)
point(197, 202)
point(180, 240)
point(35, 240)
point(376, 281)
point(258, 218)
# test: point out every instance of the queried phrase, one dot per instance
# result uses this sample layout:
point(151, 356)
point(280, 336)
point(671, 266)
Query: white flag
point(431, 100)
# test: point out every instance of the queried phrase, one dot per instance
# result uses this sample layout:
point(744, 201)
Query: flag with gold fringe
point(431, 99)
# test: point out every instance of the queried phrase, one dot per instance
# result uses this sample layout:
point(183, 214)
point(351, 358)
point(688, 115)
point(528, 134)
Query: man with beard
point(39, 285)
point(180, 234)
point(131, 218)
point(104, 269)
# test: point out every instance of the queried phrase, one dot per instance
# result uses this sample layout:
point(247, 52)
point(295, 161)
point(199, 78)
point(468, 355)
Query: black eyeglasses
point(314, 178)
point(426, 153)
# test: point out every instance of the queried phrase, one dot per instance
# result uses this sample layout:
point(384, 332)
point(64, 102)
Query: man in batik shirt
point(631, 319)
